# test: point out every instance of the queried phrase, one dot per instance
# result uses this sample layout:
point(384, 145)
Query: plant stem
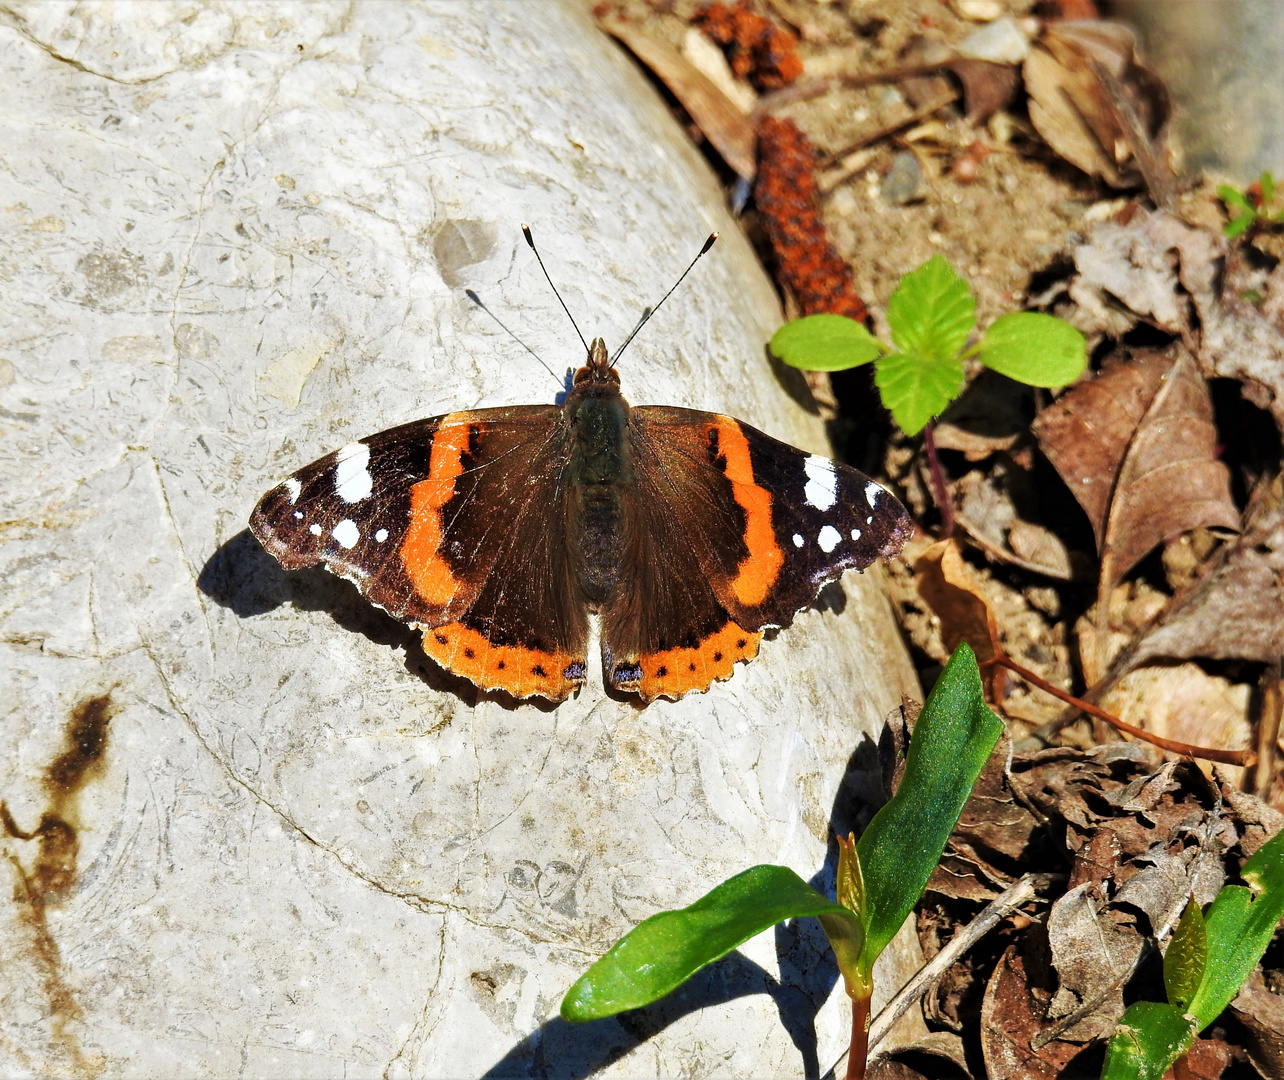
point(1226, 757)
point(940, 493)
point(860, 1039)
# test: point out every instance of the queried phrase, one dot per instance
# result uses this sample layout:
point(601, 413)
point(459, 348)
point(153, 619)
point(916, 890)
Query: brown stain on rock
point(54, 871)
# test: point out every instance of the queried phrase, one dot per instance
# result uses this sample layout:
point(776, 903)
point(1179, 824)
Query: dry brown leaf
point(1012, 1015)
point(1086, 431)
point(1040, 549)
point(1075, 113)
point(1092, 956)
point(1237, 610)
point(1133, 263)
point(722, 123)
point(946, 584)
point(1261, 1011)
point(1170, 481)
point(987, 87)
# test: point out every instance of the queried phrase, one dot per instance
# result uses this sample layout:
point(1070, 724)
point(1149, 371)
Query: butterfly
point(497, 532)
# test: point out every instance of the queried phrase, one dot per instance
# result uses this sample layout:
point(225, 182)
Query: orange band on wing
point(421, 551)
point(677, 671)
point(520, 672)
point(757, 572)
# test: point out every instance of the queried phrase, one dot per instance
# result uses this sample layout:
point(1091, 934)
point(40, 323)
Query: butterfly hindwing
point(665, 632)
point(444, 523)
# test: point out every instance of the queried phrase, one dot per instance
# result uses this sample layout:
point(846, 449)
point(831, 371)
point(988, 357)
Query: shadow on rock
point(808, 971)
point(246, 580)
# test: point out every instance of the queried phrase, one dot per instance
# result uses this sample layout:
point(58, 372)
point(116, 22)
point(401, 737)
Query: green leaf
point(1186, 958)
point(932, 311)
point(1240, 924)
point(1150, 1036)
point(1239, 225)
point(1267, 184)
point(1234, 198)
point(915, 390)
point(662, 952)
point(1038, 350)
point(825, 343)
point(952, 740)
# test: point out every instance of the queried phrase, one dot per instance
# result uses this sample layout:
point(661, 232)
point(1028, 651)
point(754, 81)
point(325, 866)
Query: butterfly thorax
point(602, 474)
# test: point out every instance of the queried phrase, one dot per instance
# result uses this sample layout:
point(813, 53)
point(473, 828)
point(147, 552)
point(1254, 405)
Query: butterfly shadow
point(808, 972)
point(246, 580)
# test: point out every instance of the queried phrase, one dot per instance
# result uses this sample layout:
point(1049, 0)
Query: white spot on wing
point(347, 533)
point(829, 538)
point(381, 536)
point(855, 534)
point(314, 529)
point(822, 483)
point(872, 492)
point(294, 489)
point(798, 540)
point(298, 515)
point(352, 480)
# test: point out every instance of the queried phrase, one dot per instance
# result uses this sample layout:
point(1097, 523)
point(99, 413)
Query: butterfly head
point(597, 371)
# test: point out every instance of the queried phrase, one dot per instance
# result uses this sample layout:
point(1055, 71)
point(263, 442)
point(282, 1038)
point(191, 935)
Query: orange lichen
point(785, 194)
point(757, 49)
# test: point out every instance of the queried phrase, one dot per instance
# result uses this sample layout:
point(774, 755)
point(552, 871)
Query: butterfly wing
point(769, 524)
point(444, 523)
point(664, 630)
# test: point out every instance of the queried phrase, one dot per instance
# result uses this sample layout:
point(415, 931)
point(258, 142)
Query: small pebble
point(979, 10)
point(1000, 43)
point(904, 180)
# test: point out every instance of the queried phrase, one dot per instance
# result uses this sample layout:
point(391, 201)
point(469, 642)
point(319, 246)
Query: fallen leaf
point(1236, 611)
point(1012, 1014)
point(1075, 113)
point(1261, 1011)
point(1170, 481)
point(993, 837)
point(947, 586)
point(708, 59)
point(989, 416)
point(719, 119)
point(1093, 957)
point(1133, 264)
point(1086, 431)
point(987, 87)
point(1040, 549)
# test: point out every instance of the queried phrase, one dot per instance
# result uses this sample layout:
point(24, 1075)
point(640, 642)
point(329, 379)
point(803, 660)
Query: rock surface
point(251, 830)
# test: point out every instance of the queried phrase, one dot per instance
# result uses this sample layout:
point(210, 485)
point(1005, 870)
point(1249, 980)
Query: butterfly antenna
point(646, 315)
point(526, 232)
point(478, 301)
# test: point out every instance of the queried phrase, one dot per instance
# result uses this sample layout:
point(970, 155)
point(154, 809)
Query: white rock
point(304, 854)
point(1001, 42)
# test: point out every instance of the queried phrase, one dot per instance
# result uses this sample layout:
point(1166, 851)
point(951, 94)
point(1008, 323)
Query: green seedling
point(1251, 207)
point(880, 877)
point(931, 315)
point(1209, 958)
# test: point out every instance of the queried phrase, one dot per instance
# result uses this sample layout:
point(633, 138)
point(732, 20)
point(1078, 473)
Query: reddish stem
point(1225, 757)
point(860, 1039)
point(940, 493)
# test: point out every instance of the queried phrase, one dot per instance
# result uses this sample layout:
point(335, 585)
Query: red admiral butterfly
point(498, 531)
